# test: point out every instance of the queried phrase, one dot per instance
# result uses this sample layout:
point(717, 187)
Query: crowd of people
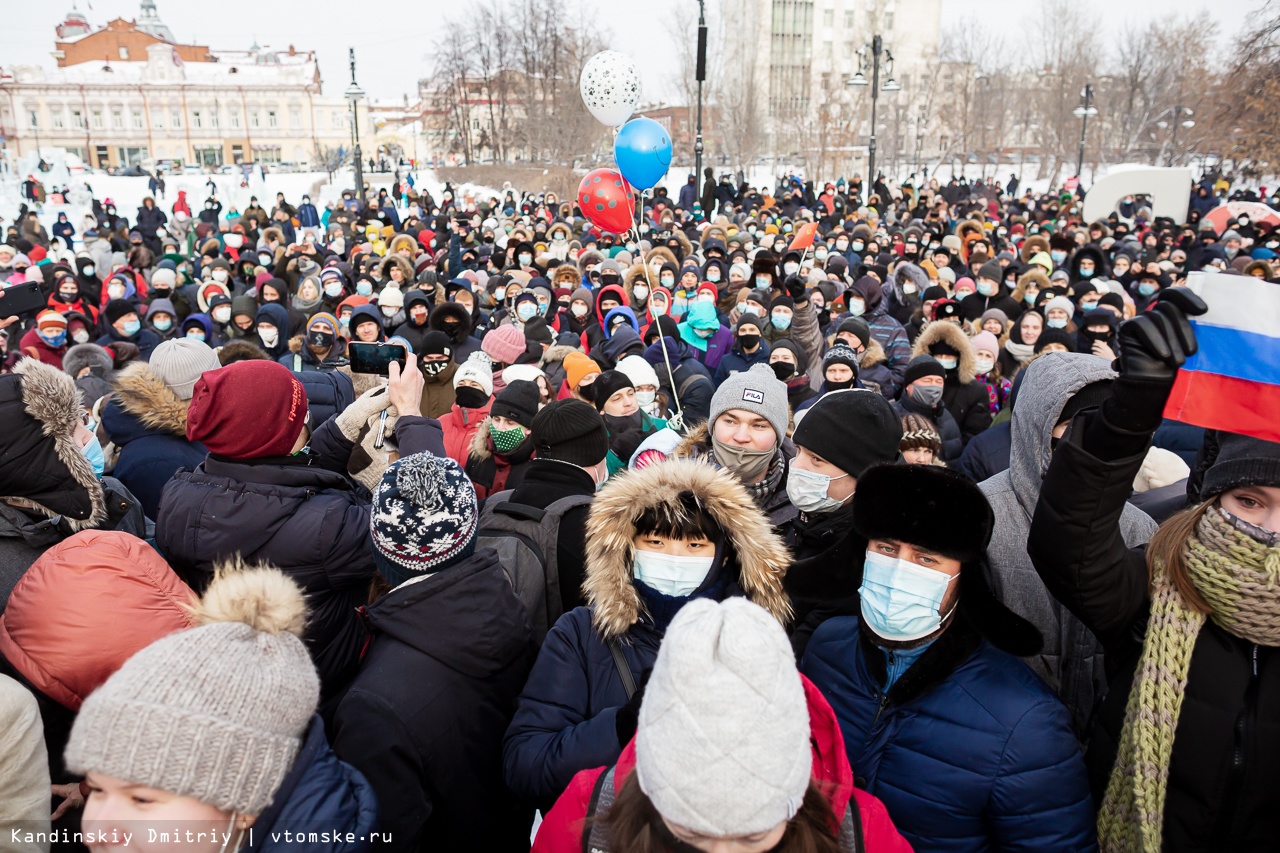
point(786, 521)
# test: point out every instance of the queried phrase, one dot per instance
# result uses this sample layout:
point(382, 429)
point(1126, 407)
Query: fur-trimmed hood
point(954, 336)
point(683, 240)
point(41, 465)
point(1032, 276)
point(1032, 246)
point(140, 393)
point(635, 274)
point(395, 259)
point(667, 256)
point(759, 554)
point(874, 354)
point(556, 353)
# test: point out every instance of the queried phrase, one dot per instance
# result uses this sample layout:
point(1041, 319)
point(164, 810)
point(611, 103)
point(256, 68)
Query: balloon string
point(648, 276)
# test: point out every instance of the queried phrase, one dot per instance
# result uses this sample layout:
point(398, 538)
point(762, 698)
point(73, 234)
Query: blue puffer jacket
point(320, 795)
point(969, 750)
point(328, 393)
point(148, 425)
point(300, 514)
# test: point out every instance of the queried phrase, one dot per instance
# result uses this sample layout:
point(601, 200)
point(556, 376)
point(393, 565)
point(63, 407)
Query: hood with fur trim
point(1034, 276)
point(556, 353)
point(668, 257)
point(760, 555)
point(637, 274)
point(41, 465)
point(140, 393)
point(1032, 246)
point(396, 259)
point(874, 354)
point(953, 336)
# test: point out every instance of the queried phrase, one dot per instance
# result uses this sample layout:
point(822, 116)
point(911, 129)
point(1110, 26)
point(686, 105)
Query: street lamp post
point(1178, 112)
point(701, 76)
point(1083, 112)
point(354, 93)
point(890, 85)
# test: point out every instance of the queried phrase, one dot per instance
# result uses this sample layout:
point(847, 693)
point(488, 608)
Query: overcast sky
point(393, 40)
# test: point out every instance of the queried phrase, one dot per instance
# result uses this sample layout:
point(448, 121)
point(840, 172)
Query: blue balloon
point(642, 150)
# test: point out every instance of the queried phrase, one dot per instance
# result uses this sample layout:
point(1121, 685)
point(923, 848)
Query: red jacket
point(33, 346)
point(460, 427)
point(561, 829)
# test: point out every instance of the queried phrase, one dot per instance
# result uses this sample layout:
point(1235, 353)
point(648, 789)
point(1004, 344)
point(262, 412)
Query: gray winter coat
point(1071, 660)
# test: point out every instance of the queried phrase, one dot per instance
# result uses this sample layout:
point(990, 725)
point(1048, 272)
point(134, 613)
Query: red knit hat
point(247, 410)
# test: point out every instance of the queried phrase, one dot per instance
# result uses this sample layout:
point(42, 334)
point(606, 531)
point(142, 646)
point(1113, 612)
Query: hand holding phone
point(405, 387)
point(375, 358)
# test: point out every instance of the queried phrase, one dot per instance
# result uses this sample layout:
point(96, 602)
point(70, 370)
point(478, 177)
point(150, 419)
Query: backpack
point(525, 538)
point(595, 835)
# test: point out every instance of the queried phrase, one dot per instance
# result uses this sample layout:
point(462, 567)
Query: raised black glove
point(795, 289)
point(629, 714)
point(1155, 344)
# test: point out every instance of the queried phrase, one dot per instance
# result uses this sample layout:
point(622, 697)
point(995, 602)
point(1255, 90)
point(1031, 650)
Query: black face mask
point(748, 341)
point(622, 423)
point(320, 340)
point(1091, 335)
point(840, 386)
point(470, 398)
point(432, 368)
point(783, 370)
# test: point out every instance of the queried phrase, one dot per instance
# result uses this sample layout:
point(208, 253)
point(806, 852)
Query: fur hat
point(934, 508)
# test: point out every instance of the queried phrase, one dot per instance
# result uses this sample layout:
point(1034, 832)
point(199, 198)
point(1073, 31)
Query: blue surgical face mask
point(1056, 323)
point(763, 282)
point(54, 341)
point(332, 288)
point(364, 288)
point(164, 324)
point(526, 311)
point(671, 575)
point(948, 362)
point(195, 334)
point(1147, 289)
point(781, 321)
point(900, 600)
point(1086, 273)
point(131, 328)
point(987, 288)
point(93, 452)
point(1058, 257)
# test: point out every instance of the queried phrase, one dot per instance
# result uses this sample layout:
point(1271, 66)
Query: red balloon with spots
point(605, 198)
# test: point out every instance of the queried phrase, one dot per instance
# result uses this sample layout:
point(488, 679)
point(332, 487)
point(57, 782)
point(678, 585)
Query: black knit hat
point(1241, 461)
point(782, 302)
point(1053, 336)
point(517, 402)
point(609, 383)
point(857, 327)
point(536, 330)
point(922, 365)
point(802, 359)
point(436, 343)
point(570, 431)
point(923, 505)
point(852, 429)
point(933, 293)
point(117, 308)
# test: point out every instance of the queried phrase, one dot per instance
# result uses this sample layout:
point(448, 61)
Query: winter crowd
point(784, 522)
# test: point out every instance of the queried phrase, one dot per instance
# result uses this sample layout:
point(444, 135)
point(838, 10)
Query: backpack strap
point(515, 510)
point(851, 838)
point(689, 380)
point(602, 796)
point(624, 671)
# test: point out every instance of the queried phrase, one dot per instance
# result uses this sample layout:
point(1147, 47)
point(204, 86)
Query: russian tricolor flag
point(1233, 382)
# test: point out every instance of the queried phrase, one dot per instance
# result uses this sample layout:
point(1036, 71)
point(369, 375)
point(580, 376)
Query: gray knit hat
point(756, 390)
point(722, 744)
point(217, 712)
point(180, 362)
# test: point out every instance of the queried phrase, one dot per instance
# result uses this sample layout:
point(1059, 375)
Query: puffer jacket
point(59, 640)
point(562, 830)
point(566, 718)
point(737, 361)
point(319, 794)
point(964, 397)
point(1071, 661)
point(148, 425)
point(300, 514)
point(968, 749)
point(460, 427)
point(1221, 791)
point(437, 688)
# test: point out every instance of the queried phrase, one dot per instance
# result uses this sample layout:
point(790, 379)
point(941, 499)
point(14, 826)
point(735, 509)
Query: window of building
point(157, 119)
point(339, 119)
point(213, 118)
point(117, 120)
point(34, 118)
point(124, 52)
point(888, 20)
point(848, 19)
point(295, 118)
point(196, 120)
point(77, 119)
point(829, 18)
point(266, 153)
point(235, 118)
point(253, 119)
point(96, 119)
point(271, 119)
point(829, 50)
point(137, 120)
point(55, 117)
point(175, 119)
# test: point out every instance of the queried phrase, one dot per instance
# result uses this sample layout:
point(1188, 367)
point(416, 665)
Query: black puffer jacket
point(300, 514)
point(424, 719)
point(1222, 793)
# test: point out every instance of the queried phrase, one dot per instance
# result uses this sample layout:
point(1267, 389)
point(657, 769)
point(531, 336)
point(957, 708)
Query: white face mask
point(808, 490)
point(640, 291)
point(673, 576)
point(857, 307)
point(389, 312)
point(790, 268)
point(646, 398)
point(269, 336)
point(579, 310)
point(219, 275)
point(948, 362)
point(115, 291)
point(222, 313)
point(908, 288)
point(983, 366)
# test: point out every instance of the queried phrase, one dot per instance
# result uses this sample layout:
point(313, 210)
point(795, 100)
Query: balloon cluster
point(610, 87)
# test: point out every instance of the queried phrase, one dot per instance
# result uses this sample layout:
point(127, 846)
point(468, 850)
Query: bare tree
point(329, 158)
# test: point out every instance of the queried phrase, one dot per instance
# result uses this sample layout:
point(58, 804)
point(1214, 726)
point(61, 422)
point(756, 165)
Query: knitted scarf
point(1239, 578)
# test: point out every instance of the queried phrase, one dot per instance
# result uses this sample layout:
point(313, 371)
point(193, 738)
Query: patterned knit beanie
point(424, 517)
point(217, 712)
